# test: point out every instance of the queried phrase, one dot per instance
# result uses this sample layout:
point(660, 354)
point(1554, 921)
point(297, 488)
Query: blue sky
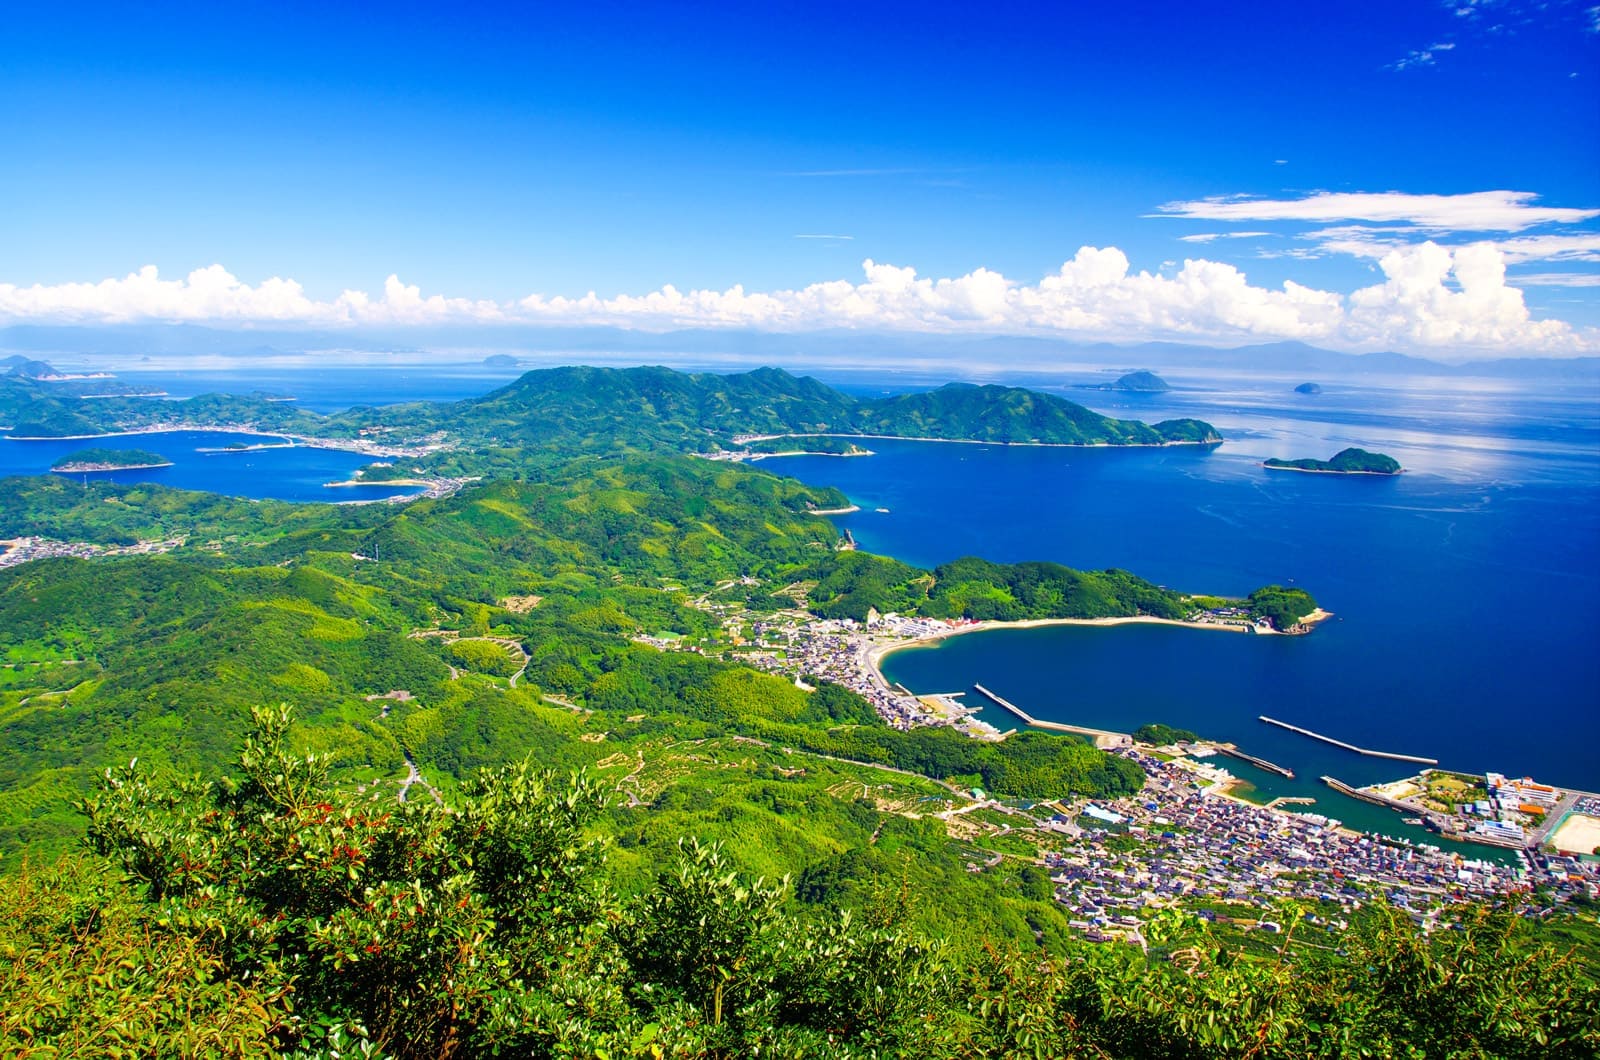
point(486, 153)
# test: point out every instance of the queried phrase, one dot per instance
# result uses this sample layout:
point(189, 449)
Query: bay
point(1464, 591)
point(297, 473)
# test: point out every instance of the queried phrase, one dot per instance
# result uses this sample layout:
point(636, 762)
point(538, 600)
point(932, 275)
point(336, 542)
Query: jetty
point(1259, 763)
point(1349, 746)
point(1102, 737)
point(1367, 796)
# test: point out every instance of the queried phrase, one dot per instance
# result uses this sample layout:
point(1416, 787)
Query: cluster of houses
point(839, 650)
point(24, 549)
point(1193, 847)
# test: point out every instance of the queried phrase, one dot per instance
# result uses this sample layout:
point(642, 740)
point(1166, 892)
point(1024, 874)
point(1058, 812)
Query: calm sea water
point(1465, 590)
point(297, 474)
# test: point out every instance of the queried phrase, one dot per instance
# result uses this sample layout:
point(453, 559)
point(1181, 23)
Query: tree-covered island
point(108, 460)
point(1346, 462)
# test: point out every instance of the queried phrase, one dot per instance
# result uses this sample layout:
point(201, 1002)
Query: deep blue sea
point(1465, 591)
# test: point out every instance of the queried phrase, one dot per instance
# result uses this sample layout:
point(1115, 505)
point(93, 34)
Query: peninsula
point(1345, 462)
point(85, 460)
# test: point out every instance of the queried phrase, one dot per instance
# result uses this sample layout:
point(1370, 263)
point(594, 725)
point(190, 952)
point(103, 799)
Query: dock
point(1259, 763)
point(1349, 746)
point(1442, 824)
point(1101, 737)
point(1366, 796)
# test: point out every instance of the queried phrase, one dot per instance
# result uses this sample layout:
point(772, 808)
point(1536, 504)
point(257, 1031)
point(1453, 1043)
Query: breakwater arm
point(1101, 737)
point(1349, 746)
point(1259, 763)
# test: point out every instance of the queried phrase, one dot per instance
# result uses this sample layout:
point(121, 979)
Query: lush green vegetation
point(1346, 461)
point(270, 912)
point(612, 411)
point(851, 584)
point(107, 459)
point(1161, 735)
point(1283, 607)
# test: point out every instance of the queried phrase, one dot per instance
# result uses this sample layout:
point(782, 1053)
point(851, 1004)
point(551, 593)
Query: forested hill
point(611, 410)
point(659, 407)
point(649, 408)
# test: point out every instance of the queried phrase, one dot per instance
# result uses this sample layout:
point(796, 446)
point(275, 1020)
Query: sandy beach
point(381, 482)
point(876, 656)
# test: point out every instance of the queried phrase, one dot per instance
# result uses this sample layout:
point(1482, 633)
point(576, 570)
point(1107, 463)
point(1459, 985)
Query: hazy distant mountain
point(935, 354)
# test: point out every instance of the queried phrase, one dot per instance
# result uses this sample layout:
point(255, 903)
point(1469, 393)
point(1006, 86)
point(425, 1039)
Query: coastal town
point(1186, 839)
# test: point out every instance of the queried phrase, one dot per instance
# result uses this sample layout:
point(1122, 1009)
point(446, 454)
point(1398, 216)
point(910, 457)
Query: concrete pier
point(1259, 763)
point(1101, 737)
point(1349, 746)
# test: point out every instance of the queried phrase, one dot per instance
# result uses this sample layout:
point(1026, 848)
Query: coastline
point(876, 656)
point(972, 441)
point(1330, 471)
point(753, 457)
point(385, 482)
point(87, 469)
point(348, 445)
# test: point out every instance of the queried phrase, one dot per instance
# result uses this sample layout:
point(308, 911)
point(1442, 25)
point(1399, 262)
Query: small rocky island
point(1142, 381)
point(1308, 388)
point(85, 460)
point(1345, 462)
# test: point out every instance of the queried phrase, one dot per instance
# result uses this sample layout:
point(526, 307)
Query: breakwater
point(1349, 746)
point(1259, 763)
point(1101, 737)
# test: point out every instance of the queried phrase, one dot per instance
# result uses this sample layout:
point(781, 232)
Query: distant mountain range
point(706, 347)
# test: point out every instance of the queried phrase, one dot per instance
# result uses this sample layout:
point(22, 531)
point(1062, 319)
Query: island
point(1142, 382)
point(500, 360)
point(1346, 462)
point(85, 460)
point(1308, 388)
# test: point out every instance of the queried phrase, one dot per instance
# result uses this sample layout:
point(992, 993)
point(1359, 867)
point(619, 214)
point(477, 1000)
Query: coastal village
point(1186, 840)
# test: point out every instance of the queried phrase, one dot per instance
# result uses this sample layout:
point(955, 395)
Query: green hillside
point(566, 411)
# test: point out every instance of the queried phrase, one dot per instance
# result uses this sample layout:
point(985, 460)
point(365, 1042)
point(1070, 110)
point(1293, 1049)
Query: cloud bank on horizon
point(1433, 298)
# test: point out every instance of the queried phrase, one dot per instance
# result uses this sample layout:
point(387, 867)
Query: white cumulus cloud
point(1478, 211)
point(1418, 305)
point(1432, 296)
